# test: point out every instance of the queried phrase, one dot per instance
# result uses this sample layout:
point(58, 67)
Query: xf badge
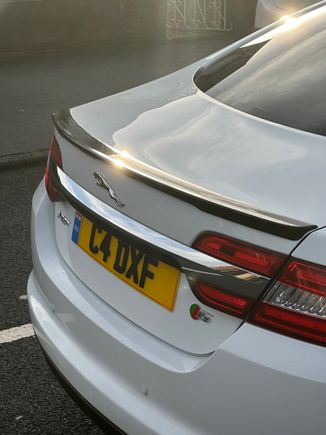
point(63, 218)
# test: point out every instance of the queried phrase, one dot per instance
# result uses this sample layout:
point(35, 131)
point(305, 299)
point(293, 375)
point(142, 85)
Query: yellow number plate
point(152, 277)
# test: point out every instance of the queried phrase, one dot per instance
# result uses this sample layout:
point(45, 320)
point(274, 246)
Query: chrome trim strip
point(133, 228)
point(206, 200)
point(194, 263)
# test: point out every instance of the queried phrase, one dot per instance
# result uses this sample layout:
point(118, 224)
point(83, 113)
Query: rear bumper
point(256, 382)
point(102, 422)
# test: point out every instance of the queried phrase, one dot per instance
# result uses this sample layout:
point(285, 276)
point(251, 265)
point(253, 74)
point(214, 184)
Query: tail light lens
point(244, 256)
point(296, 304)
point(221, 300)
point(54, 160)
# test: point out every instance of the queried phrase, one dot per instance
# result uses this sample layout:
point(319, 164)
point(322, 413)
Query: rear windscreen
point(280, 76)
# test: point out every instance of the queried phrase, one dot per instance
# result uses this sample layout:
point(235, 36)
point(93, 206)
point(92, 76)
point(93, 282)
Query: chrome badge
point(102, 182)
point(63, 219)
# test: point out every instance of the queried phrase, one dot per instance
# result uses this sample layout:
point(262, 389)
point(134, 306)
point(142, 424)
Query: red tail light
point(244, 256)
point(54, 159)
point(221, 300)
point(296, 304)
point(249, 257)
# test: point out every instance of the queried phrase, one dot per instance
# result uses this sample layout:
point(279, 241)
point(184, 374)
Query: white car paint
point(149, 370)
point(257, 380)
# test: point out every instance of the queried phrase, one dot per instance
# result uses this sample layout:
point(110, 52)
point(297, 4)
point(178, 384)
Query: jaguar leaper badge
point(198, 314)
point(102, 182)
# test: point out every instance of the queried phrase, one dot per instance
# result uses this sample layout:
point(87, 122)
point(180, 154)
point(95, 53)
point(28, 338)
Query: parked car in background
point(246, 16)
point(268, 11)
point(178, 240)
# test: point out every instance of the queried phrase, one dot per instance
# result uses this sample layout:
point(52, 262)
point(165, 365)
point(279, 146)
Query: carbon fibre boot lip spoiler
point(206, 200)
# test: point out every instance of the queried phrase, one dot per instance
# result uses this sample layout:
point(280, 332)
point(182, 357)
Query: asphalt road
point(34, 85)
point(31, 88)
point(31, 400)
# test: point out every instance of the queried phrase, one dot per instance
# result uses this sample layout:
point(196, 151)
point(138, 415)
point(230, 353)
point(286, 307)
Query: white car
point(268, 11)
point(179, 281)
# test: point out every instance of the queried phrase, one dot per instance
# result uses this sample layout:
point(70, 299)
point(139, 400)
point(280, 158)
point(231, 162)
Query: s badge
point(198, 314)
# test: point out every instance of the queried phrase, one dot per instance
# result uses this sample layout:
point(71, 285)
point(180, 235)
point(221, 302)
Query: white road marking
point(23, 297)
point(13, 334)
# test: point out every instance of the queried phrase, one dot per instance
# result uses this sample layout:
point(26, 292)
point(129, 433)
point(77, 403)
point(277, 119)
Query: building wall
point(30, 24)
point(192, 19)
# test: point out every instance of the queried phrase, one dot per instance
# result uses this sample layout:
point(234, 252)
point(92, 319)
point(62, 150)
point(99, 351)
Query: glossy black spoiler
point(204, 199)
